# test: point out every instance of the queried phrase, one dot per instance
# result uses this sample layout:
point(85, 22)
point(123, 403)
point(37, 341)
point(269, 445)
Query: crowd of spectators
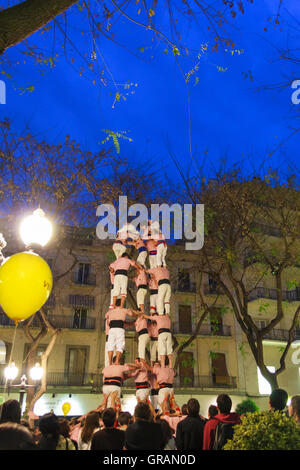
point(109, 428)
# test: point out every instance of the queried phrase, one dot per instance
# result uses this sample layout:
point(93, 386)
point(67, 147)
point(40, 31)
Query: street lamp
point(11, 372)
point(36, 229)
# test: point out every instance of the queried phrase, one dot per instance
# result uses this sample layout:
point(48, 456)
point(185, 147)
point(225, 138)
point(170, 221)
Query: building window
point(76, 365)
point(212, 286)
point(79, 319)
point(186, 369)
point(263, 385)
point(219, 369)
point(83, 273)
point(184, 282)
point(216, 321)
point(87, 301)
point(185, 318)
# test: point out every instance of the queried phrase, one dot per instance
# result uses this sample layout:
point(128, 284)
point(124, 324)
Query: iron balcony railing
point(59, 321)
point(267, 293)
point(205, 330)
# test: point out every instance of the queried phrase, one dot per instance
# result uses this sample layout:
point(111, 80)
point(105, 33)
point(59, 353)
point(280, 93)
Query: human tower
point(152, 369)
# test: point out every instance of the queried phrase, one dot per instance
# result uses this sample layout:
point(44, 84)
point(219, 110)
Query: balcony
point(278, 334)
point(185, 287)
point(205, 330)
point(86, 280)
point(267, 293)
point(199, 382)
point(59, 321)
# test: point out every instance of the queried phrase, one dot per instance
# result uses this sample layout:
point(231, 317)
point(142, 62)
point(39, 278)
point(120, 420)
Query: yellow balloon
point(25, 285)
point(66, 408)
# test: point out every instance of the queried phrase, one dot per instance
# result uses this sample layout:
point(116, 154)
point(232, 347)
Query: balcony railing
point(267, 293)
point(205, 330)
point(185, 287)
point(59, 321)
point(88, 280)
point(279, 334)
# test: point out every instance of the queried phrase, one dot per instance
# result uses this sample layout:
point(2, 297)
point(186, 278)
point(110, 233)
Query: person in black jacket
point(189, 434)
point(144, 434)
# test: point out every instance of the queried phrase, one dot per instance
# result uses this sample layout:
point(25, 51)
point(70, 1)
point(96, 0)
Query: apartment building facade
point(217, 360)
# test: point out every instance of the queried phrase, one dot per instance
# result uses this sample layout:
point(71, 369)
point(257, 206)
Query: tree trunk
point(22, 20)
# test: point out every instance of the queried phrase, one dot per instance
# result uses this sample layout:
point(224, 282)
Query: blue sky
point(229, 117)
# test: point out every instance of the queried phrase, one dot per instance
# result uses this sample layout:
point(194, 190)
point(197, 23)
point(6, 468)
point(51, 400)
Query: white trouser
point(153, 350)
point(163, 299)
point(120, 285)
point(161, 254)
point(141, 259)
point(140, 296)
point(164, 344)
point(116, 339)
point(143, 341)
point(153, 261)
point(142, 393)
point(153, 303)
point(107, 389)
point(118, 249)
point(106, 361)
point(162, 394)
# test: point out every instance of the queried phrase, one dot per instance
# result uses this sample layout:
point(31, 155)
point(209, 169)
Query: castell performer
point(116, 335)
point(162, 277)
point(120, 269)
point(165, 379)
point(141, 328)
point(141, 378)
point(141, 282)
point(118, 246)
point(113, 377)
point(164, 342)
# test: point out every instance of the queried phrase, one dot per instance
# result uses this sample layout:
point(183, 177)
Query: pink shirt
point(122, 263)
point(159, 273)
point(117, 313)
point(162, 321)
point(140, 324)
point(151, 245)
point(152, 328)
point(115, 371)
point(164, 374)
point(153, 285)
point(141, 278)
point(173, 421)
point(141, 375)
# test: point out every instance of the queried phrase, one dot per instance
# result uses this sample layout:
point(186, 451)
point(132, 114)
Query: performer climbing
point(164, 342)
point(143, 335)
point(116, 336)
point(162, 277)
point(113, 377)
point(141, 282)
point(120, 269)
point(165, 378)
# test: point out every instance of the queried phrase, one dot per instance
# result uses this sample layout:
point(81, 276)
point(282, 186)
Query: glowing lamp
point(36, 229)
point(36, 373)
point(11, 372)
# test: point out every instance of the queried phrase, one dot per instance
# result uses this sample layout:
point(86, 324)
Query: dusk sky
point(230, 117)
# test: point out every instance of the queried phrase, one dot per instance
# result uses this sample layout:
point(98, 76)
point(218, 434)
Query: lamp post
point(11, 372)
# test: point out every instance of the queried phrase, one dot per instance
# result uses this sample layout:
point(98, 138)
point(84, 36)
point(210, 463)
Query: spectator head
point(142, 412)
point(108, 417)
point(64, 427)
point(49, 425)
point(184, 409)
point(125, 418)
point(224, 403)
point(278, 399)
point(212, 411)
point(14, 436)
point(10, 411)
point(193, 407)
point(294, 408)
point(90, 424)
